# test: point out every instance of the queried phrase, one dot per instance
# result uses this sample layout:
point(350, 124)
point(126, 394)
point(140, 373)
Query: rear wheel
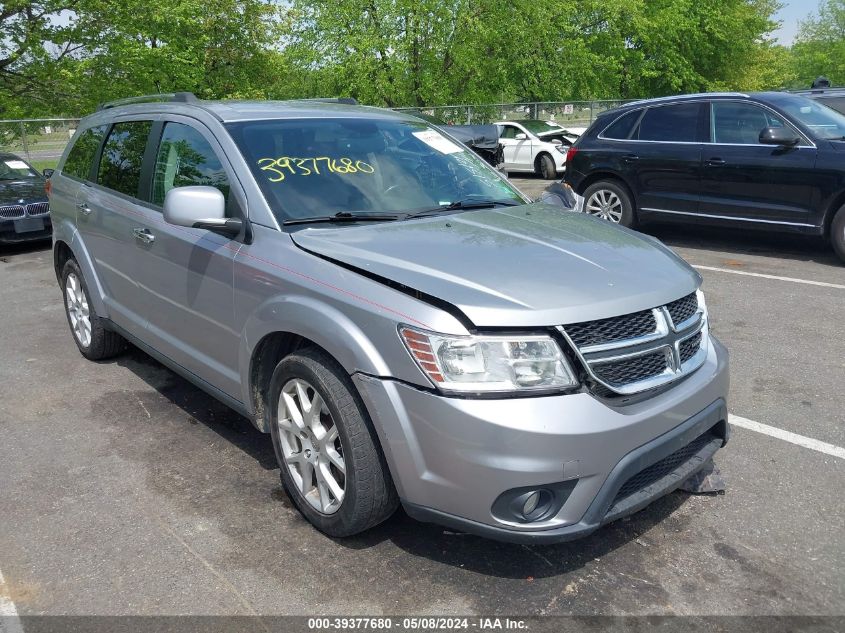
point(837, 233)
point(94, 341)
point(546, 167)
point(330, 461)
point(610, 201)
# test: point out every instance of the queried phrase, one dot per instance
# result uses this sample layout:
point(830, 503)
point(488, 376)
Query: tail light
point(571, 153)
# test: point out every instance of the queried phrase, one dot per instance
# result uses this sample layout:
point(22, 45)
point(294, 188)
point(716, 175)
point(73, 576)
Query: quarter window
point(621, 128)
point(120, 164)
point(185, 158)
point(81, 156)
point(673, 123)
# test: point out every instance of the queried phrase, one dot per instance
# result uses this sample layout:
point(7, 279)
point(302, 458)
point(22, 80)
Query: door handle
point(716, 162)
point(630, 158)
point(143, 235)
point(83, 208)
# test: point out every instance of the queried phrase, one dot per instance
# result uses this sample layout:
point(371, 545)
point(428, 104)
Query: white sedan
point(535, 146)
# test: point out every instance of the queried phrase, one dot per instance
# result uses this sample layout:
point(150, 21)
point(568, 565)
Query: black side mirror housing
point(48, 173)
point(780, 136)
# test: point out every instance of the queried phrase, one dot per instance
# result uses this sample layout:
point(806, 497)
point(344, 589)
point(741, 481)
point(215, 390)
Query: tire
point(546, 167)
point(94, 341)
point(368, 495)
point(837, 233)
point(610, 200)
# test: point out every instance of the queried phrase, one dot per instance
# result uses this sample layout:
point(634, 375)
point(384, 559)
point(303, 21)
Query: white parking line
point(9, 620)
point(809, 282)
point(787, 436)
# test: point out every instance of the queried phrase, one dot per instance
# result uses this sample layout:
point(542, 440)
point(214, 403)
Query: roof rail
point(343, 100)
point(183, 97)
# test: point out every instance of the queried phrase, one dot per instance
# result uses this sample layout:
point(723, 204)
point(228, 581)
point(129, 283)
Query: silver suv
point(405, 324)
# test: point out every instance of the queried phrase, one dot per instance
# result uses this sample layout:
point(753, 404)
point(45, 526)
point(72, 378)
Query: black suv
point(769, 160)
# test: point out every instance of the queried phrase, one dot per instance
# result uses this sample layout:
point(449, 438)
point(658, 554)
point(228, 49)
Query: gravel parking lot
point(125, 490)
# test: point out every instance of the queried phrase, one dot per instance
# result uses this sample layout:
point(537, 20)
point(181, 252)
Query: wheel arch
point(66, 245)
point(283, 326)
point(598, 176)
point(837, 203)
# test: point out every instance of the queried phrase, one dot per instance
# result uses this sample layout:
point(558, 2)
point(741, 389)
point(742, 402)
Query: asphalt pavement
point(125, 490)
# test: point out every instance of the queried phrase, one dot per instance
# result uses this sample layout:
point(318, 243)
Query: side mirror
point(780, 136)
point(200, 208)
point(521, 136)
point(48, 173)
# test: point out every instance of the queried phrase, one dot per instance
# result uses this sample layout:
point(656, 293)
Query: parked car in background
point(773, 161)
point(535, 146)
point(24, 208)
point(481, 139)
point(832, 97)
point(405, 324)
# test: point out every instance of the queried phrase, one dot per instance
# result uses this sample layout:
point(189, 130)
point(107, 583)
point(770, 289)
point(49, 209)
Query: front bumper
point(11, 230)
point(451, 458)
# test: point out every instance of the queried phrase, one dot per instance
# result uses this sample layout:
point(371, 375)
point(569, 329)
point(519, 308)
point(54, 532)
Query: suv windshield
point(13, 168)
point(311, 168)
point(823, 121)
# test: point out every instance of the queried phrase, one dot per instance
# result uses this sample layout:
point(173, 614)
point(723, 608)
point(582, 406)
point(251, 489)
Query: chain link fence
point(39, 141)
point(566, 113)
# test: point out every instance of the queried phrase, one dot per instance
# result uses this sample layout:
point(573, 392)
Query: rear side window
point(673, 123)
point(81, 156)
point(185, 158)
point(123, 152)
point(621, 128)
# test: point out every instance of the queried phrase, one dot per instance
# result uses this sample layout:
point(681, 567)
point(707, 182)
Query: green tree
point(819, 48)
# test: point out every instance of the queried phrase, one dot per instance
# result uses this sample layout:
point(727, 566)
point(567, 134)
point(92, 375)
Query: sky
point(789, 15)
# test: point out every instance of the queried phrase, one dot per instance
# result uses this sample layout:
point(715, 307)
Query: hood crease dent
point(526, 266)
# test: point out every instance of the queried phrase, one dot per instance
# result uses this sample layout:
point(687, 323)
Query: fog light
point(531, 503)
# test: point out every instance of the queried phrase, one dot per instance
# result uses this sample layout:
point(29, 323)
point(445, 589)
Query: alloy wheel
point(311, 446)
point(606, 205)
point(77, 309)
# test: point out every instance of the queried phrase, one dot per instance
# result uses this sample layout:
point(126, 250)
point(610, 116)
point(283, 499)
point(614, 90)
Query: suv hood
point(531, 265)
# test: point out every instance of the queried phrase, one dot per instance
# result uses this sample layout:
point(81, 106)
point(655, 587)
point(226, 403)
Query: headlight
point(489, 363)
point(562, 148)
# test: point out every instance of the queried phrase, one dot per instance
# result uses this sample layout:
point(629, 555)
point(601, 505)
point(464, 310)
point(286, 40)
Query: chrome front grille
point(683, 308)
point(38, 208)
point(11, 211)
point(610, 330)
point(642, 350)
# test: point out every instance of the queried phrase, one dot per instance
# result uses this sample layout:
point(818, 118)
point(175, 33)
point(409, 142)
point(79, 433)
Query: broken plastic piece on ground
point(707, 480)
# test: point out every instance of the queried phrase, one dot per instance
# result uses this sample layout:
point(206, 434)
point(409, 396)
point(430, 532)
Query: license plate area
point(29, 225)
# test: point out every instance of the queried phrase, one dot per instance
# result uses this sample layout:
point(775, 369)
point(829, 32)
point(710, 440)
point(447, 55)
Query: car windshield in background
point(15, 169)
point(825, 122)
point(540, 127)
point(323, 167)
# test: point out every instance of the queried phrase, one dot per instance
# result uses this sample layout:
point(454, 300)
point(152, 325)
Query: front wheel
point(837, 233)
point(547, 167)
point(330, 461)
point(610, 201)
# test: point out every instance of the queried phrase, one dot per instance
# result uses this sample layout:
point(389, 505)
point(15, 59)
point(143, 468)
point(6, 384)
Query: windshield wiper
point(463, 205)
point(343, 216)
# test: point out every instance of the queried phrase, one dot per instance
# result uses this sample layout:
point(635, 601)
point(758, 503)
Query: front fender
point(316, 321)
